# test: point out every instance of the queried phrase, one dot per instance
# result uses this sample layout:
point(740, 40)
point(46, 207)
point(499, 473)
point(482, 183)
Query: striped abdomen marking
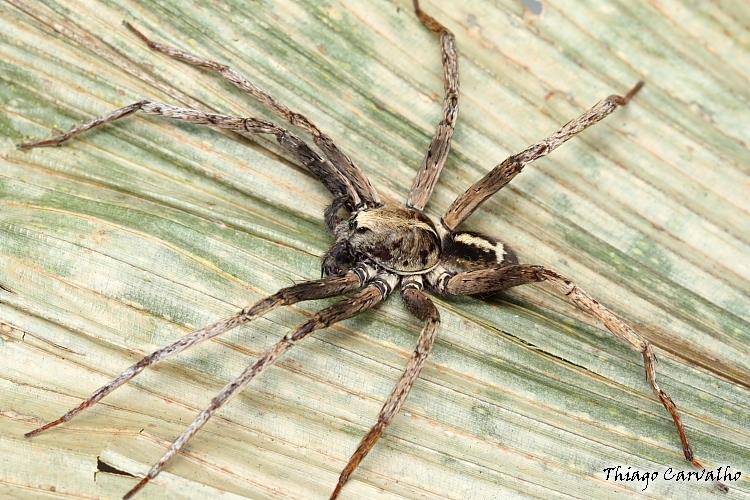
point(469, 251)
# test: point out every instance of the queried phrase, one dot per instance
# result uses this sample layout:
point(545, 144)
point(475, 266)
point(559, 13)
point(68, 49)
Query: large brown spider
point(377, 247)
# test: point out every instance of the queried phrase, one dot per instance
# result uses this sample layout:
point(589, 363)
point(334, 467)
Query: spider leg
point(309, 290)
point(501, 278)
point(422, 307)
point(375, 292)
point(433, 162)
point(338, 158)
point(464, 205)
point(331, 178)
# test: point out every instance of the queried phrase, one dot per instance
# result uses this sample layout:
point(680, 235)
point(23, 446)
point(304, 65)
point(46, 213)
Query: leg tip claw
point(25, 146)
point(337, 490)
point(636, 88)
point(136, 488)
point(137, 32)
point(43, 428)
point(33, 433)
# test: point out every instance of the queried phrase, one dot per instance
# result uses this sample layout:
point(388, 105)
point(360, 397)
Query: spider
point(377, 247)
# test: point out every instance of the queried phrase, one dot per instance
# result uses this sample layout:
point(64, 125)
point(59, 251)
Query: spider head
point(399, 239)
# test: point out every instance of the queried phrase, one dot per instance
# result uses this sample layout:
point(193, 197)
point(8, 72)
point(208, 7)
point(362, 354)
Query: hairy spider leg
point(432, 165)
point(422, 307)
point(464, 205)
point(331, 178)
point(372, 294)
point(502, 278)
point(362, 187)
point(310, 290)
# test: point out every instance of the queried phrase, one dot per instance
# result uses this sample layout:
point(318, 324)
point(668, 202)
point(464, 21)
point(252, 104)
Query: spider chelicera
point(378, 247)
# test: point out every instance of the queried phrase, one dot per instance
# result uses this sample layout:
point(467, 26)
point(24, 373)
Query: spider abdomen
point(471, 251)
point(399, 239)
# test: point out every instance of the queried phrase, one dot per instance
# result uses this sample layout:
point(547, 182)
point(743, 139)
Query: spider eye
point(362, 230)
point(352, 224)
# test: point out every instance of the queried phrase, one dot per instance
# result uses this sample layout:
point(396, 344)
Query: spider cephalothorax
point(377, 247)
point(402, 240)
